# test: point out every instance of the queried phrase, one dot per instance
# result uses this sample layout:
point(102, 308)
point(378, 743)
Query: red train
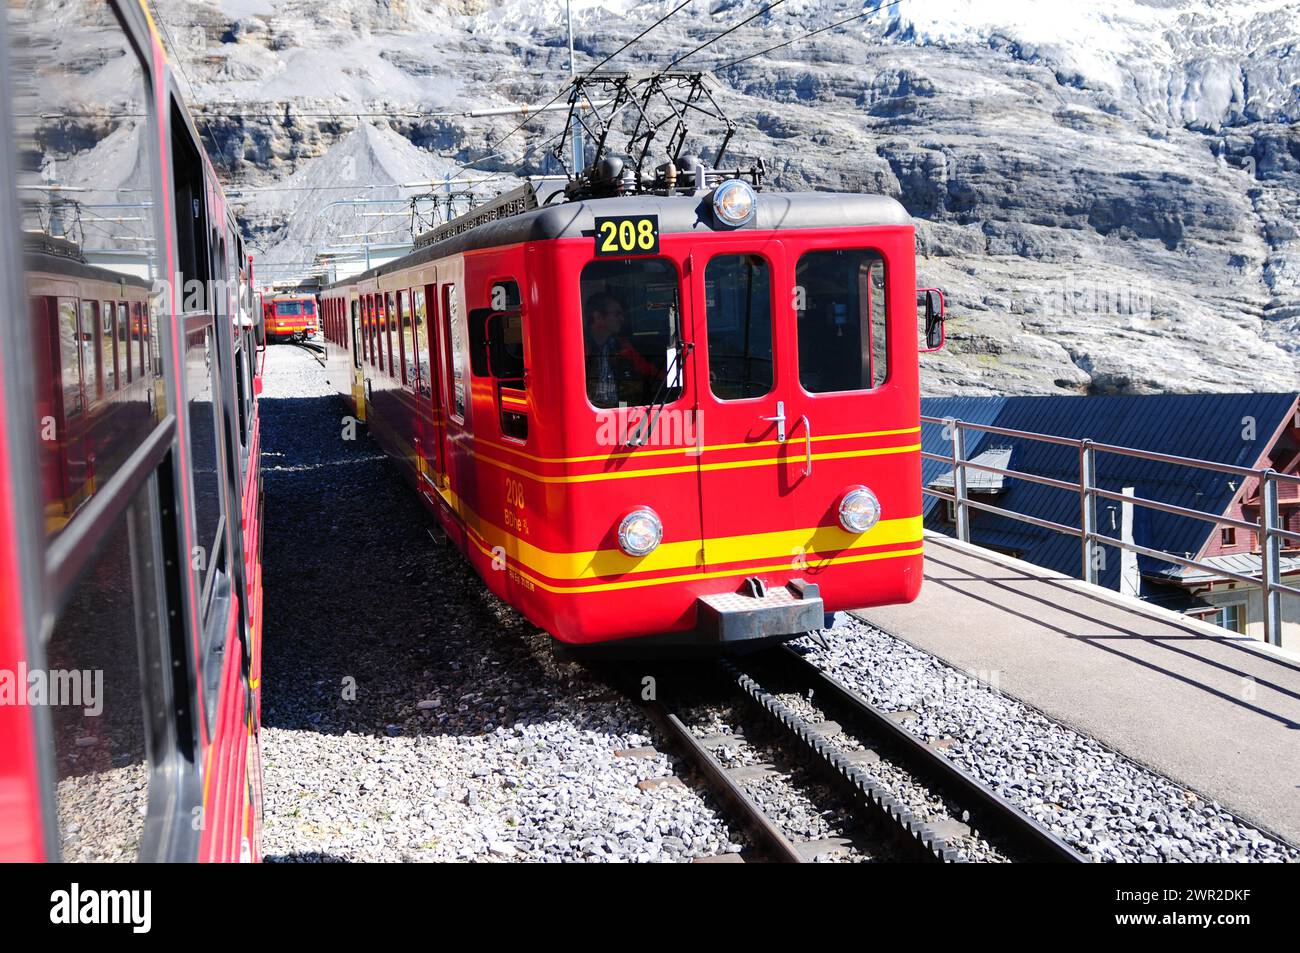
point(290, 317)
point(130, 568)
point(687, 416)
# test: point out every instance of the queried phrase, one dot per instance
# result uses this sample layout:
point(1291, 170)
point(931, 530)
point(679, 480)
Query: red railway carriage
point(290, 317)
point(130, 569)
point(642, 420)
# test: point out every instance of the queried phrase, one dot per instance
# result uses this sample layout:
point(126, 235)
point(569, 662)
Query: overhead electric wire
point(810, 33)
point(729, 30)
point(180, 68)
point(556, 98)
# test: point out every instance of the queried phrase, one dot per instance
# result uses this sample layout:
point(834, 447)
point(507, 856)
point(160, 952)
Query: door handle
point(807, 446)
point(780, 421)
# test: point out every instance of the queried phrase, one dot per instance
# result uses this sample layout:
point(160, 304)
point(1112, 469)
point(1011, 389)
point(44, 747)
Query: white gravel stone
point(1104, 804)
point(462, 738)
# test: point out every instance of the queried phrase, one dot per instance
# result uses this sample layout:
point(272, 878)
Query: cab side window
point(738, 303)
point(842, 328)
point(631, 331)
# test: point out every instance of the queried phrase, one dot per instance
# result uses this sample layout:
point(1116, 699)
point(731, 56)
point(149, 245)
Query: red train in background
point(290, 317)
point(686, 417)
point(130, 566)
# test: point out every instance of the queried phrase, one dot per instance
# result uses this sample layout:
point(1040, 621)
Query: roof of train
point(677, 214)
point(59, 256)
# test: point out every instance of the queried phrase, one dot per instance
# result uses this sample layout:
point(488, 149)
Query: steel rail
point(986, 806)
point(768, 838)
point(315, 350)
point(912, 834)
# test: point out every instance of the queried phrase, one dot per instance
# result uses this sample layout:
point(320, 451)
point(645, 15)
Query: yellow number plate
point(621, 235)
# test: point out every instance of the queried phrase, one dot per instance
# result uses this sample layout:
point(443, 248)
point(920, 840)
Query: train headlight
point(859, 510)
point(734, 203)
point(640, 532)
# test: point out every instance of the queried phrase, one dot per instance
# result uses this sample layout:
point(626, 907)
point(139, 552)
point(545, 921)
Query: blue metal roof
point(1204, 426)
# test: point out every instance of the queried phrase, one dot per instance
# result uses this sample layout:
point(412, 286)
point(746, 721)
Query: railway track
point(315, 350)
point(886, 794)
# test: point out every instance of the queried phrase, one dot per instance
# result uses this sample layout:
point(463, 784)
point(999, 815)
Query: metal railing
point(1092, 559)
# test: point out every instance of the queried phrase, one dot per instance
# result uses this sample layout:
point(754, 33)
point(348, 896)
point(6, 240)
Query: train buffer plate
point(761, 612)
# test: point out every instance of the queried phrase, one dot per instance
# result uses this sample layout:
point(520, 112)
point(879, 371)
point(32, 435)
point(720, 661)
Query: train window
point(242, 395)
point(738, 299)
point(200, 360)
point(631, 330)
point(71, 357)
point(505, 296)
point(123, 344)
point(108, 345)
point(365, 328)
point(87, 207)
point(372, 331)
point(455, 335)
point(407, 336)
point(840, 306)
point(155, 343)
point(496, 346)
point(358, 338)
point(90, 349)
point(420, 327)
point(191, 216)
point(391, 335)
point(141, 320)
point(107, 636)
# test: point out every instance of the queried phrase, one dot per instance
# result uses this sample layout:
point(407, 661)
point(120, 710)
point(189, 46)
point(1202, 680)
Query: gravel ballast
point(410, 715)
point(1102, 803)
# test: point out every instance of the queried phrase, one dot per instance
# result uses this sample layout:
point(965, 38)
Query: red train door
point(852, 406)
point(796, 394)
point(429, 314)
point(740, 384)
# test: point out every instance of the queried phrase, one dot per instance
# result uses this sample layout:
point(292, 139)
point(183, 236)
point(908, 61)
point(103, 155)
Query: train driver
point(612, 360)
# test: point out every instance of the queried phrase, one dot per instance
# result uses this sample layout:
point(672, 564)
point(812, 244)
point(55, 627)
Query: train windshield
point(288, 308)
point(737, 296)
point(840, 303)
point(631, 330)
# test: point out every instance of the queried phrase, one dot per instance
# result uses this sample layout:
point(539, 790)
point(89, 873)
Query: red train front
point(691, 417)
point(289, 317)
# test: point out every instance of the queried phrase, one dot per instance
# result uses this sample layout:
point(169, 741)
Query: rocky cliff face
point(1109, 191)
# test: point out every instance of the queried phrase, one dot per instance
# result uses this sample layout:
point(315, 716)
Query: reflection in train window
point(123, 346)
point(108, 345)
point(199, 359)
point(69, 355)
point(89, 352)
point(106, 637)
point(421, 317)
point(85, 155)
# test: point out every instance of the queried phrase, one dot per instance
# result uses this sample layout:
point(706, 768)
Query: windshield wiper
point(641, 435)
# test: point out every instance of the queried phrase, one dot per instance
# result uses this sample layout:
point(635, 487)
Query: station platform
point(1217, 712)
